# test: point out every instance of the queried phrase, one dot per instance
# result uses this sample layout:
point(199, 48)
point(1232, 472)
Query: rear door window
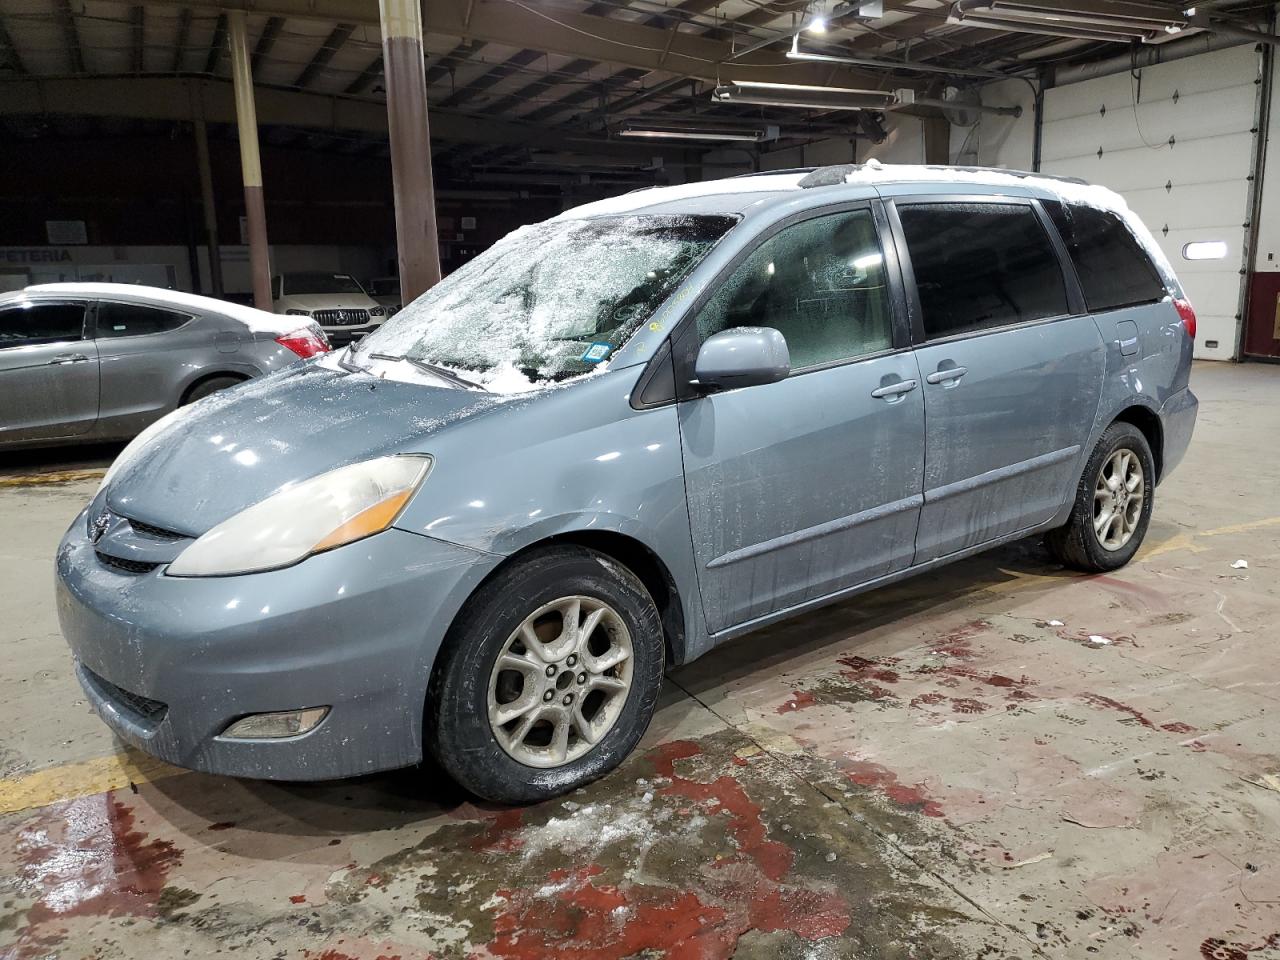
point(981, 265)
point(821, 282)
point(38, 323)
point(1114, 270)
point(135, 320)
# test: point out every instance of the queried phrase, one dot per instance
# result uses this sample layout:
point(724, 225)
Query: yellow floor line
point(52, 478)
point(1188, 541)
point(71, 780)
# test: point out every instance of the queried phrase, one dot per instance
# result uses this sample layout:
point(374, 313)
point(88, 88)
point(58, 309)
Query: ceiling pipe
point(1014, 111)
point(796, 54)
point(1147, 56)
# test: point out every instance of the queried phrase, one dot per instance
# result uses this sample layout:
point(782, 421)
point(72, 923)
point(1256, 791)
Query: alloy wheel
point(560, 682)
point(1117, 499)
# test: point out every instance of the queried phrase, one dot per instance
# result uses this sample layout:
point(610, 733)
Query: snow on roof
point(652, 196)
point(873, 173)
point(1068, 191)
point(254, 319)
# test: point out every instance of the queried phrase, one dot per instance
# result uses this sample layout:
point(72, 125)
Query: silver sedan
point(101, 361)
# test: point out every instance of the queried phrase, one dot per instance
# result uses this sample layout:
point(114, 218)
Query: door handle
point(894, 389)
point(942, 376)
point(62, 358)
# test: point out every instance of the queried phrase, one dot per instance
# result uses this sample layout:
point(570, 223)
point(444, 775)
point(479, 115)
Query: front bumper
point(169, 662)
point(1177, 421)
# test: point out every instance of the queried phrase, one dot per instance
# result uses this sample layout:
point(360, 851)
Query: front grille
point(123, 565)
point(341, 318)
point(156, 533)
point(145, 708)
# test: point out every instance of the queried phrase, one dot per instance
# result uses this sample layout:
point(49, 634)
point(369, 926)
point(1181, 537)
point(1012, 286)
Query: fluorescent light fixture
point(1205, 250)
point(709, 132)
point(800, 95)
point(1123, 22)
point(818, 24)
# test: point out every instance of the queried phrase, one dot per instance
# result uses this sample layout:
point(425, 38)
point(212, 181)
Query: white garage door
point(1181, 159)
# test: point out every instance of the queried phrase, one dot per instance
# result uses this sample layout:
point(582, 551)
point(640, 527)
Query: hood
point(239, 446)
point(325, 301)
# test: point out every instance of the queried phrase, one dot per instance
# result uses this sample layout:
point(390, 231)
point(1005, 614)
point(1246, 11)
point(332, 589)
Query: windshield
point(320, 283)
point(549, 301)
point(384, 287)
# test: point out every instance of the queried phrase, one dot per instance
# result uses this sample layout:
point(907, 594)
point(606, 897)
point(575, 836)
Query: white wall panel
point(1195, 188)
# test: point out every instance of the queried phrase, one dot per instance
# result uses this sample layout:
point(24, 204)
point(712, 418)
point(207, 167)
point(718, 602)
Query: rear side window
point(134, 320)
point(38, 323)
point(981, 265)
point(1113, 268)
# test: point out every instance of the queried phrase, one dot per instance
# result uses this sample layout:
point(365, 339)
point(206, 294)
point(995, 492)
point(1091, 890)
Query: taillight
point(305, 341)
point(1188, 315)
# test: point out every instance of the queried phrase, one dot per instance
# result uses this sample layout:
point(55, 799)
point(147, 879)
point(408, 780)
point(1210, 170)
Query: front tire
point(548, 678)
point(1112, 506)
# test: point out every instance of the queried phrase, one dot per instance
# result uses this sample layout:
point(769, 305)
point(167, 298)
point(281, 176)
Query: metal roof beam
point(180, 43)
point(70, 35)
point(332, 44)
point(9, 58)
point(175, 99)
point(266, 40)
point(564, 33)
point(217, 46)
point(138, 27)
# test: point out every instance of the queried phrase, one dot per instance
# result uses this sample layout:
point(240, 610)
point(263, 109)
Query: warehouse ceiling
point(542, 86)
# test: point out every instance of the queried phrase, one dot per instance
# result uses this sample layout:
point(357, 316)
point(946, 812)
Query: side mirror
point(742, 357)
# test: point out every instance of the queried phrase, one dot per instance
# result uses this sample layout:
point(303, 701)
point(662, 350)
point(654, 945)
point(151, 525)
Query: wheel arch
point(638, 558)
point(206, 375)
point(1148, 421)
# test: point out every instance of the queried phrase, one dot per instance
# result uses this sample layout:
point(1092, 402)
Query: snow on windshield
point(549, 301)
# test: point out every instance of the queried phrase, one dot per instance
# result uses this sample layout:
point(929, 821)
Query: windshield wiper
point(346, 363)
point(429, 368)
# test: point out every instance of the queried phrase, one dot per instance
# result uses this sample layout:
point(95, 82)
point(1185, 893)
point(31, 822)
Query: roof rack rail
point(772, 173)
point(829, 176)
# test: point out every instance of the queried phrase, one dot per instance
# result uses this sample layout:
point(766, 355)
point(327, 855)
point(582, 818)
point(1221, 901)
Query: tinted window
point(820, 282)
point(131, 320)
point(1113, 268)
point(41, 323)
point(980, 265)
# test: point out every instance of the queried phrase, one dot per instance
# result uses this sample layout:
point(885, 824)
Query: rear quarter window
point(1114, 270)
point(135, 320)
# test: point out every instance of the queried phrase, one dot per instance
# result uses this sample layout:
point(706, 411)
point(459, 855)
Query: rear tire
point(1112, 506)
point(207, 387)
point(522, 706)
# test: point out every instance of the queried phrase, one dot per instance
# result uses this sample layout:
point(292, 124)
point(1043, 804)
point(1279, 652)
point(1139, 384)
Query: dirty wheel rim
point(1117, 499)
point(560, 682)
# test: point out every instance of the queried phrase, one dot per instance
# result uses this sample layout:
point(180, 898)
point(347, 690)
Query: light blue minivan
point(612, 442)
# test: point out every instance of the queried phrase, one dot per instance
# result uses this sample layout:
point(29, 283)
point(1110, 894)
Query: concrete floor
point(1000, 760)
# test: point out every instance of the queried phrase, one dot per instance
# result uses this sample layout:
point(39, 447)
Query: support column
point(210, 210)
point(250, 160)
point(417, 245)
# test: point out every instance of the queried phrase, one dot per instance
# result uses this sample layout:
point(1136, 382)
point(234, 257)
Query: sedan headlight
point(376, 311)
point(327, 511)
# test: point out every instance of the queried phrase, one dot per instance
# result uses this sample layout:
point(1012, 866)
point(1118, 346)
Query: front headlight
point(291, 312)
point(376, 311)
point(327, 511)
point(139, 443)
